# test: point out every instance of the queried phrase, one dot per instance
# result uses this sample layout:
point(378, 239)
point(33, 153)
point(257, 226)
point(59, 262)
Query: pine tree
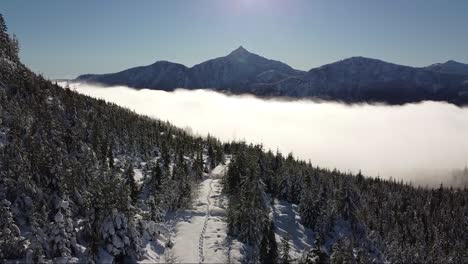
point(308, 204)
point(156, 178)
point(197, 166)
point(268, 246)
point(4, 38)
point(342, 253)
point(129, 176)
point(11, 241)
point(315, 255)
point(38, 240)
point(285, 247)
point(254, 210)
point(236, 170)
point(62, 232)
point(110, 157)
point(211, 157)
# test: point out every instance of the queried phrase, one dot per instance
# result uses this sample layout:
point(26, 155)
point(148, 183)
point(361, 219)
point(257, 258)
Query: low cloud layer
point(420, 143)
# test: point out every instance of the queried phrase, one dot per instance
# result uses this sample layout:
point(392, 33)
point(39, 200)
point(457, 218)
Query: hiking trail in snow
point(199, 234)
point(201, 256)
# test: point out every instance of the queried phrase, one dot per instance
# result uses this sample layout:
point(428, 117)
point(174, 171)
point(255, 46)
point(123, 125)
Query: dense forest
point(355, 219)
point(68, 185)
point(79, 176)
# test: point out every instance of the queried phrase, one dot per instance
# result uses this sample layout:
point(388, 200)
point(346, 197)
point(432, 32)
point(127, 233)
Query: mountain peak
point(353, 62)
point(361, 59)
point(453, 62)
point(450, 66)
point(239, 51)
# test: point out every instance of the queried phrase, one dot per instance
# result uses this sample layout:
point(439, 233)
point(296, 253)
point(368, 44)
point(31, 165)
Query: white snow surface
point(201, 237)
point(138, 175)
point(288, 224)
point(199, 234)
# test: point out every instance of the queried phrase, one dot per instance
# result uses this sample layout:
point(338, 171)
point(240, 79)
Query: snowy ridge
point(355, 79)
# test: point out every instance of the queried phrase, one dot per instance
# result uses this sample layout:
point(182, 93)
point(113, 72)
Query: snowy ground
point(288, 224)
point(199, 234)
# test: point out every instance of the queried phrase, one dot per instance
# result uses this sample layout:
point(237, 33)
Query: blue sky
point(62, 39)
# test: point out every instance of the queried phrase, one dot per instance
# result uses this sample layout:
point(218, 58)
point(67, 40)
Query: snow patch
point(288, 224)
point(138, 175)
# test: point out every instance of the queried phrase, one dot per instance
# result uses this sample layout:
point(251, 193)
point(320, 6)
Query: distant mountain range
point(355, 79)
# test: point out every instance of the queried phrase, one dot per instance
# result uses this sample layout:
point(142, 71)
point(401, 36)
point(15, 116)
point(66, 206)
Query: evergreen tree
point(198, 165)
point(110, 157)
point(11, 241)
point(211, 157)
point(285, 247)
point(315, 255)
point(156, 178)
point(4, 38)
point(62, 232)
point(268, 246)
point(129, 176)
point(308, 206)
point(342, 252)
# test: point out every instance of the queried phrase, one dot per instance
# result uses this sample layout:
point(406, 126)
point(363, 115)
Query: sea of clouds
point(420, 143)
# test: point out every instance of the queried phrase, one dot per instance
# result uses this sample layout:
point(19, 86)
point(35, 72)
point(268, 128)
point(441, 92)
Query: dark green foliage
point(198, 165)
point(59, 145)
point(211, 156)
point(129, 176)
point(285, 247)
point(11, 242)
point(342, 253)
point(268, 247)
point(156, 178)
point(385, 219)
point(9, 46)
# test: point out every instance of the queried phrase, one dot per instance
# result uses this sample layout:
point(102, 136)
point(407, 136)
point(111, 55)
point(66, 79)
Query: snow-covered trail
point(201, 240)
point(200, 234)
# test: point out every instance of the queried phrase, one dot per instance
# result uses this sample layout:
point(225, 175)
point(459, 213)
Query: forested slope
point(68, 187)
point(355, 219)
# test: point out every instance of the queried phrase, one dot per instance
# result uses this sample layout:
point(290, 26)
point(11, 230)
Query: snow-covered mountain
point(364, 79)
point(240, 68)
point(162, 74)
point(451, 66)
point(355, 79)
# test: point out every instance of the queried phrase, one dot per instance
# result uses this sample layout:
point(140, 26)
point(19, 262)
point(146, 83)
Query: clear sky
point(62, 39)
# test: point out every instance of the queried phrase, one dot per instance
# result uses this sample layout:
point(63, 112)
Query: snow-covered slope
point(198, 235)
point(288, 224)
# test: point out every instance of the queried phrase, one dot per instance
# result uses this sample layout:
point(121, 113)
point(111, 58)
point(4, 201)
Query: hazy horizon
point(420, 143)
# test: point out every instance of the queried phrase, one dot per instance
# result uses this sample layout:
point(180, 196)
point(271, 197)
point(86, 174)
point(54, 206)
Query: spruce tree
point(110, 156)
point(285, 247)
point(129, 176)
point(11, 241)
point(211, 157)
point(308, 204)
point(268, 246)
